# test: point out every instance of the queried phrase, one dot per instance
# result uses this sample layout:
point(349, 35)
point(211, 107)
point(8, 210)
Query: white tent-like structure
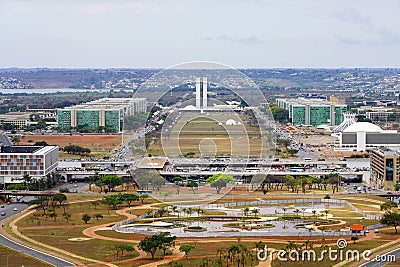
point(349, 119)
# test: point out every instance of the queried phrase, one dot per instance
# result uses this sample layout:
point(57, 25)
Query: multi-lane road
point(16, 207)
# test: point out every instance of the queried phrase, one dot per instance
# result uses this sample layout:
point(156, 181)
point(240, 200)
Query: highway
point(34, 253)
point(9, 210)
point(4, 140)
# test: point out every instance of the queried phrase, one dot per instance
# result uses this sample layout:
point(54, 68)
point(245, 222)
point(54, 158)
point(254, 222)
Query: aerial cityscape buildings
point(312, 111)
point(107, 113)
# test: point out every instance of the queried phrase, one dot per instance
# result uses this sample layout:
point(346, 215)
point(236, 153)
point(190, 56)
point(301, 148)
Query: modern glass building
point(105, 114)
point(312, 111)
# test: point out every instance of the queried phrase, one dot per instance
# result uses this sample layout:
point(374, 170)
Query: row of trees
point(42, 183)
point(115, 200)
point(77, 150)
point(301, 183)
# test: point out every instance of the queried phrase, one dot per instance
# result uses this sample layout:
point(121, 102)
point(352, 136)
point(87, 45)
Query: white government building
point(363, 136)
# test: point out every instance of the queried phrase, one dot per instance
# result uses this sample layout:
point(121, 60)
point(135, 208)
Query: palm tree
point(199, 212)
point(326, 213)
point(174, 209)
point(296, 211)
point(314, 212)
point(284, 211)
point(307, 244)
point(189, 211)
point(255, 212)
point(303, 209)
point(246, 211)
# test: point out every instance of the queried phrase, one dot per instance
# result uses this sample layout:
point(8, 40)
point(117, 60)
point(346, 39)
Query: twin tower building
point(201, 92)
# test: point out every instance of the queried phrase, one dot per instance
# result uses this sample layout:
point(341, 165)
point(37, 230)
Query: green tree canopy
point(220, 181)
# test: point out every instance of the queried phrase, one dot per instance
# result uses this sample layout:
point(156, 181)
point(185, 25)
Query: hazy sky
point(239, 33)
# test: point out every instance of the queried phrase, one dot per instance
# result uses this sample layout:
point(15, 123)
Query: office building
point(385, 168)
point(201, 92)
point(36, 161)
point(105, 114)
point(312, 111)
point(18, 119)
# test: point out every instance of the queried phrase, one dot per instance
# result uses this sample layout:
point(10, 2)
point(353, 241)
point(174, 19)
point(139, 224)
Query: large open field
point(94, 142)
point(209, 134)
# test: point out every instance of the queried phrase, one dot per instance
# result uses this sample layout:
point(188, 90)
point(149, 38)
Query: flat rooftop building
point(36, 161)
point(106, 114)
point(385, 168)
point(312, 111)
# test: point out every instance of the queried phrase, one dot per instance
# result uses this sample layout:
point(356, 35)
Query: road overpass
point(26, 193)
point(251, 173)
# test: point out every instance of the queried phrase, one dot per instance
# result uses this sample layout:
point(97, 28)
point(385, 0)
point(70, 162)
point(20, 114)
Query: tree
point(186, 249)
point(220, 181)
point(67, 216)
point(160, 241)
point(192, 185)
point(60, 198)
point(95, 204)
point(246, 211)
point(111, 181)
point(388, 206)
point(86, 218)
point(112, 201)
point(53, 215)
point(98, 216)
point(392, 219)
point(255, 212)
point(150, 245)
point(143, 197)
point(41, 143)
point(27, 180)
point(129, 198)
point(122, 248)
point(93, 179)
point(326, 213)
point(166, 241)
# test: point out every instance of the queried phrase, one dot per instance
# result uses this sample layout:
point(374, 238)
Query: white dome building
point(363, 136)
point(363, 127)
point(231, 122)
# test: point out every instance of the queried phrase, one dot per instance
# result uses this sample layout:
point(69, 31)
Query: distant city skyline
point(237, 33)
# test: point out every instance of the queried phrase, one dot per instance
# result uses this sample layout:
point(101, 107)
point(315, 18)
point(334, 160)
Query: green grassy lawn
point(17, 259)
point(94, 248)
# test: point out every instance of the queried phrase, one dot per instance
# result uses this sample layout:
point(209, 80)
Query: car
point(15, 209)
point(2, 206)
point(75, 185)
point(3, 214)
point(376, 231)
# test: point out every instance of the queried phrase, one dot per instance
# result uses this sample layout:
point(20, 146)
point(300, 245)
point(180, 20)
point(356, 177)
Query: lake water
point(53, 90)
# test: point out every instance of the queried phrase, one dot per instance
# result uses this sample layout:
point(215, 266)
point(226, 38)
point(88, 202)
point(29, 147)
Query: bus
point(142, 192)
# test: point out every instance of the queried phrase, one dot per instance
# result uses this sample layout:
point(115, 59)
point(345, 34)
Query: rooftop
point(36, 150)
point(363, 127)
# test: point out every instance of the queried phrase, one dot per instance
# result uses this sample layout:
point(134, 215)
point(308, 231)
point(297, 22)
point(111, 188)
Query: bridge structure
point(252, 173)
